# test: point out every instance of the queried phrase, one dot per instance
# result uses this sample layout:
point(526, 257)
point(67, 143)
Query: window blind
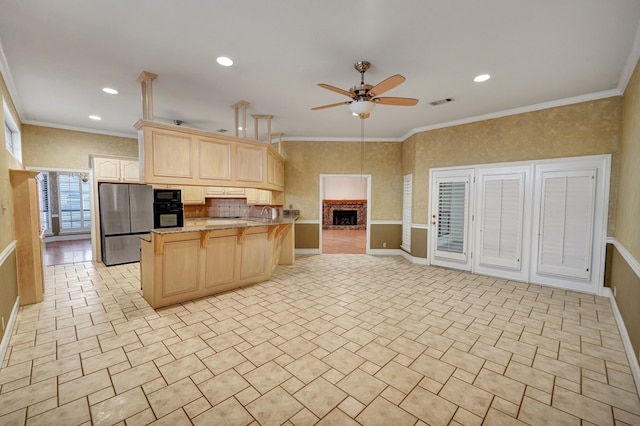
point(451, 216)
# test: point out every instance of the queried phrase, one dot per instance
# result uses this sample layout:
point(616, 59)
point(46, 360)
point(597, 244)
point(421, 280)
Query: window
point(11, 134)
point(45, 205)
point(406, 212)
point(75, 212)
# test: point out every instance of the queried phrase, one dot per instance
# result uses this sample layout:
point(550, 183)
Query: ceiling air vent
point(441, 101)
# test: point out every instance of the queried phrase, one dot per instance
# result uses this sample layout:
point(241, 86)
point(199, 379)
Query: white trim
point(626, 255)
point(67, 237)
point(308, 222)
point(8, 331)
point(413, 259)
point(626, 341)
point(420, 226)
point(630, 64)
point(133, 135)
point(386, 252)
point(515, 111)
point(339, 139)
point(6, 253)
point(385, 222)
point(11, 87)
point(307, 251)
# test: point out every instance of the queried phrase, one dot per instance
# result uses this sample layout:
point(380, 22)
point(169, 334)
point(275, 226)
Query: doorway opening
point(65, 200)
point(344, 214)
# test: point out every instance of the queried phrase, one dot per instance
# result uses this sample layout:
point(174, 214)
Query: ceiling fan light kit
point(364, 97)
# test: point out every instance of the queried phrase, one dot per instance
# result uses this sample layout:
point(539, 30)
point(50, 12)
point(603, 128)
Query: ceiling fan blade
point(330, 106)
point(335, 89)
point(387, 84)
point(396, 101)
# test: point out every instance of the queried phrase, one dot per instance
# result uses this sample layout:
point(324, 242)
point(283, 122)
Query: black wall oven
point(168, 210)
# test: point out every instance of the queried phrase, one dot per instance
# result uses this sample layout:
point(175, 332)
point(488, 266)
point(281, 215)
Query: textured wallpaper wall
point(586, 128)
point(306, 161)
point(67, 149)
point(628, 209)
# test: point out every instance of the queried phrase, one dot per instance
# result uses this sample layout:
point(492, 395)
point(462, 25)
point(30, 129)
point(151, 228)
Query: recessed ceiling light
point(109, 90)
point(95, 117)
point(482, 77)
point(224, 61)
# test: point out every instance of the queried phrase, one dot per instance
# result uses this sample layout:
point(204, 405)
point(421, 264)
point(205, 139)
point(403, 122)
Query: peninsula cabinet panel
point(221, 261)
point(215, 160)
point(249, 163)
point(180, 267)
point(254, 249)
point(171, 156)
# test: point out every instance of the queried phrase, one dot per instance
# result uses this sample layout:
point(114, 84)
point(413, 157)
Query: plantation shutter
point(406, 212)
point(566, 223)
point(502, 208)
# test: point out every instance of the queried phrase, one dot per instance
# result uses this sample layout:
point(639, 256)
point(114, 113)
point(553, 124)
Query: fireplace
point(345, 217)
point(344, 214)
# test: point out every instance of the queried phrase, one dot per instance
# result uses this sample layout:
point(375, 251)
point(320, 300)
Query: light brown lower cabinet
point(177, 267)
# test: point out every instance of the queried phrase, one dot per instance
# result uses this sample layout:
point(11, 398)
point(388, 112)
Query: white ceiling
point(60, 54)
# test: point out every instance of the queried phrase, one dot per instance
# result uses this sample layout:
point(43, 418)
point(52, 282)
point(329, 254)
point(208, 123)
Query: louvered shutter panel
point(566, 223)
point(406, 211)
point(501, 220)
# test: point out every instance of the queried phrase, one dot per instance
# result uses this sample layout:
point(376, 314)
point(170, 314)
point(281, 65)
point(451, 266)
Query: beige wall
point(67, 149)
point(627, 213)
point(586, 128)
point(8, 283)
point(306, 161)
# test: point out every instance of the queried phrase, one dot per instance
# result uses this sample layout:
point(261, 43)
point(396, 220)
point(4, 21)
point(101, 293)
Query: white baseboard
point(626, 341)
point(307, 251)
point(416, 260)
point(385, 252)
point(67, 237)
point(8, 331)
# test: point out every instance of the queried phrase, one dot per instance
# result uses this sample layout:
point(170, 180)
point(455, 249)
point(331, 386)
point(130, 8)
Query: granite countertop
point(208, 224)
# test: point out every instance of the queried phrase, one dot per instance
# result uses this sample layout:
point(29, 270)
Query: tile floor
point(331, 340)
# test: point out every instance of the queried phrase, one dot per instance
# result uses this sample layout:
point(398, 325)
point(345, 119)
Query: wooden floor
point(61, 252)
point(344, 241)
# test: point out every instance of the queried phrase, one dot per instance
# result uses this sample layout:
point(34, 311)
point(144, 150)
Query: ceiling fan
point(364, 97)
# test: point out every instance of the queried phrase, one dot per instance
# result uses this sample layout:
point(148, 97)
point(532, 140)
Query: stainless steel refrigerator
point(126, 214)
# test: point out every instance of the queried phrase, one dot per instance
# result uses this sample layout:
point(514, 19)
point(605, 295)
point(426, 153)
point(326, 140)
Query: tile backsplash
point(224, 207)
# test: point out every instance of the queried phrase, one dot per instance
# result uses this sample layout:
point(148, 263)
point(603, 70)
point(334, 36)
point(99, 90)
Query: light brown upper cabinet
point(175, 155)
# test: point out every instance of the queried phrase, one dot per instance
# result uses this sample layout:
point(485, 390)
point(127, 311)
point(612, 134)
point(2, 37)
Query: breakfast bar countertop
point(208, 224)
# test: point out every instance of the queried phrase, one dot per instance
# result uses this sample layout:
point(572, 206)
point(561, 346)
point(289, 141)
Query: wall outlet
point(2, 324)
point(384, 244)
point(614, 291)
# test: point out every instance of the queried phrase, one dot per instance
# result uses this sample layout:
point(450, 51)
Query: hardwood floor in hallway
point(344, 241)
point(70, 251)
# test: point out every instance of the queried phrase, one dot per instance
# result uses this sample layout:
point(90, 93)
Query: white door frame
point(320, 206)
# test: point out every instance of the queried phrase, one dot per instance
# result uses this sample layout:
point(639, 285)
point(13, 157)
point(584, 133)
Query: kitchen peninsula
point(210, 256)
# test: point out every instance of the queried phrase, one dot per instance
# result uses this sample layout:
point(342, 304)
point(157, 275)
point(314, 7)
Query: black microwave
point(167, 196)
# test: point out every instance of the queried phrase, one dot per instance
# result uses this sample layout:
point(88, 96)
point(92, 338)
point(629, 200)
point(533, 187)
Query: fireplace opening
point(345, 217)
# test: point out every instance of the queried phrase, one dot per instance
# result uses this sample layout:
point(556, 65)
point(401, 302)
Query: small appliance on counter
point(125, 215)
point(168, 210)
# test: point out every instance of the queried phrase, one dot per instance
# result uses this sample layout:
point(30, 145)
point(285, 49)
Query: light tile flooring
point(332, 340)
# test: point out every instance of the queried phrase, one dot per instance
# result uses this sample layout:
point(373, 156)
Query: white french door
point(542, 222)
point(450, 205)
